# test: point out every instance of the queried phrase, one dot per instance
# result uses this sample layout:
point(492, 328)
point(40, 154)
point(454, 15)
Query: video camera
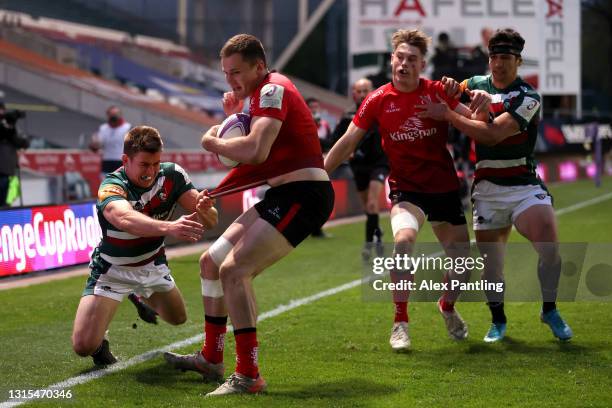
point(12, 116)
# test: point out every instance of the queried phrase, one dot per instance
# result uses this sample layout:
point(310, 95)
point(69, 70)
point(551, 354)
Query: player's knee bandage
point(219, 250)
point(404, 220)
point(211, 288)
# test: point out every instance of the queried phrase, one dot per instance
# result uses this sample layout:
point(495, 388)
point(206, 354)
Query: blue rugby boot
point(557, 325)
point(496, 333)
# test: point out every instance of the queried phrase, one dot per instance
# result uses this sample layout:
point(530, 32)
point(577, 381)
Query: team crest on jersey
point(412, 123)
point(162, 195)
point(271, 96)
point(392, 107)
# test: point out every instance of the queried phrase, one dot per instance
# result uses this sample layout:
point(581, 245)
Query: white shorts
point(119, 281)
point(496, 206)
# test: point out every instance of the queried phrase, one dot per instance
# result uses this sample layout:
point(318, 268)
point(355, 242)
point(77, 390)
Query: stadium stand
point(57, 126)
point(103, 15)
point(82, 69)
point(83, 92)
point(107, 58)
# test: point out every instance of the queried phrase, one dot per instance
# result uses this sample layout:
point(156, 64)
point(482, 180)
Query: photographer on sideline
point(10, 143)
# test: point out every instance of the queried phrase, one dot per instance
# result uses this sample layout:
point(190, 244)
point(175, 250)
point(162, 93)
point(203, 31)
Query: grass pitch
point(333, 351)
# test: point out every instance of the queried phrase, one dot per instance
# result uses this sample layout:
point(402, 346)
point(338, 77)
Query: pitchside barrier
point(39, 238)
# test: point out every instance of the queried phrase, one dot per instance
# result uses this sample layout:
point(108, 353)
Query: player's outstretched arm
point(201, 203)
point(208, 214)
point(487, 133)
point(122, 216)
point(343, 147)
point(253, 148)
point(480, 102)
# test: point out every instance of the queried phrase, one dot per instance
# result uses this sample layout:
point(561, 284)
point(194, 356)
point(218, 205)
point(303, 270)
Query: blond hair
point(415, 38)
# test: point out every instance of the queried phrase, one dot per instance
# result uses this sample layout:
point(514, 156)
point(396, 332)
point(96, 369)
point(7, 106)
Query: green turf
point(332, 352)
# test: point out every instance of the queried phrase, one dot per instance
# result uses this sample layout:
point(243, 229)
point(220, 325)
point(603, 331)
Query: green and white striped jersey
point(158, 202)
point(512, 161)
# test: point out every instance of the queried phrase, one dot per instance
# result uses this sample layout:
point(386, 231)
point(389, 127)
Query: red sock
point(246, 352)
point(214, 342)
point(447, 306)
point(401, 312)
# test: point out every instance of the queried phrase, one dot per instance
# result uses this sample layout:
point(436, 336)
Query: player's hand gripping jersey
point(158, 202)
point(510, 162)
point(416, 147)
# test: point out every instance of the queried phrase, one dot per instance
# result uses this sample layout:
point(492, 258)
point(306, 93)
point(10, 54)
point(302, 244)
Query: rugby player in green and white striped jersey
point(135, 204)
point(507, 191)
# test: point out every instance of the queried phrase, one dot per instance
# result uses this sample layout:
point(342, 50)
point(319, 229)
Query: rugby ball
point(236, 125)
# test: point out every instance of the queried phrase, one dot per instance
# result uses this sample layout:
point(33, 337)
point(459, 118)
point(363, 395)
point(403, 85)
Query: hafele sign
point(551, 29)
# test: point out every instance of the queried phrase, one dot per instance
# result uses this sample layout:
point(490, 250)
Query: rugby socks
point(446, 306)
point(214, 338)
point(549, 280)
point(400, 297)
point(401, 312)
point(497, 312)
point(372, 228)
point(246, 352)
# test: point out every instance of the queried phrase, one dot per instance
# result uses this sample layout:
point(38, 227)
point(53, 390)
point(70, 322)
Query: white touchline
point(293, 304)
point(83, 378)
point(583, 204)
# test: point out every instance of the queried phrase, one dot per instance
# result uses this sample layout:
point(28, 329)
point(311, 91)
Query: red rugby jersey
point(296, 146)
point(416, 147)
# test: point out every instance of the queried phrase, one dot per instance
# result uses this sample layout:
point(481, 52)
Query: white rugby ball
point(236, 125)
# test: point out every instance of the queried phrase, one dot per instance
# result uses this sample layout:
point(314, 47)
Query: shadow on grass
point(162, 375)
point(336, 390)
point(514, 345)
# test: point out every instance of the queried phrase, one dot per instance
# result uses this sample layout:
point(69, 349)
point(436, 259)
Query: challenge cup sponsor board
point(40, 238)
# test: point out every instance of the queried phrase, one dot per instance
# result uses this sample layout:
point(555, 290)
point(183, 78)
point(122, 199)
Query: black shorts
point(364, 174)
point(297, 209)
point(439, 207)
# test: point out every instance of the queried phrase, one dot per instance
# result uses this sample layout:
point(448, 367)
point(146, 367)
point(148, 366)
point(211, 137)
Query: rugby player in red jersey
point(422, 181)
point(282, 150)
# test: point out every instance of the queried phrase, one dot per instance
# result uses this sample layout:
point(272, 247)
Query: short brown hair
point(415, 38)
point(142, 139)
point(246, 45)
